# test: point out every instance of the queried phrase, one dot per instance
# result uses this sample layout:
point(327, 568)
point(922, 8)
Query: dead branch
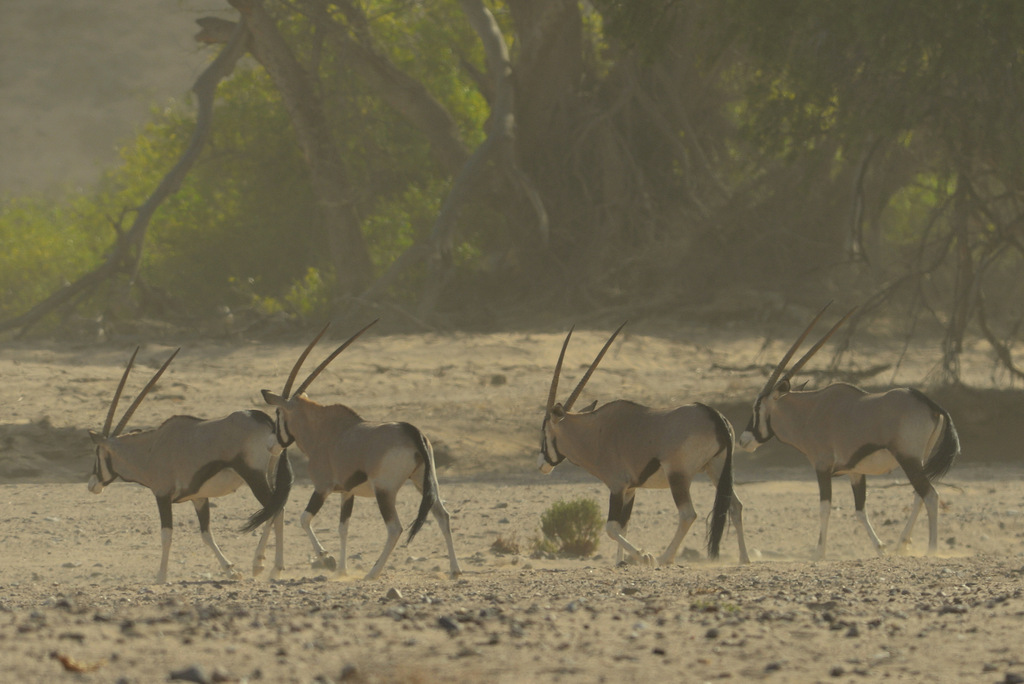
point(126, 252)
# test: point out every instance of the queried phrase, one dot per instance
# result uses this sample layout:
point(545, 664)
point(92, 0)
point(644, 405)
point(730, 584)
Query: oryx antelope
point(357, 458)
point(190, 459)
point(844, 430)
point(629, 446)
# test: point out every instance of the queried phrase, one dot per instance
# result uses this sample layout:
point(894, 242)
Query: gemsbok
point(628, 446)
point(845, 430)
point(190, 459)
point(357, 458)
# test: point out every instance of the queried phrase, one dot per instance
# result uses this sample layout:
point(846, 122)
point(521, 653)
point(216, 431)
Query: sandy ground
point(77, 569)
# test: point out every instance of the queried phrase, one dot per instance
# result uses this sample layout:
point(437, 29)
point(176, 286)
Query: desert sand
point(76, 577)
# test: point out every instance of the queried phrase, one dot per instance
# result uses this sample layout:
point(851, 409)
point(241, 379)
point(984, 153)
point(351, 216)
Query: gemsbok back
point(357, 458)
point(845, 430)
point(629, 446)
point(190, 459)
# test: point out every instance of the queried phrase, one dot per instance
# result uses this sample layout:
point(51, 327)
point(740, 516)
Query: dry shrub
point(506, 544)
point(571, 528)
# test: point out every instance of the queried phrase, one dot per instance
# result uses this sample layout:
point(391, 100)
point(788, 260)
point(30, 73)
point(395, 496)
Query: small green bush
point(572, 528)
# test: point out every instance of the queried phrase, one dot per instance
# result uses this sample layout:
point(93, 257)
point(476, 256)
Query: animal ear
point(589, 407)
point(96, 437)
point(558, 411)
point(782, 387)
point(273, 399)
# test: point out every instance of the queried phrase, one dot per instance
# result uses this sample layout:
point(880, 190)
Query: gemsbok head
point(628, 446)
point(357, 458)
point(190, 459)
point(845, 430)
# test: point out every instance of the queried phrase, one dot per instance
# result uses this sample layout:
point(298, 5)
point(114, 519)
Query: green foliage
point(43, 244)
point(571, 527)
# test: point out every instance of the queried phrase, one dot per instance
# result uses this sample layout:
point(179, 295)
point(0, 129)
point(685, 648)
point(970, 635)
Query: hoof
point(325, 562)
point(645, 560)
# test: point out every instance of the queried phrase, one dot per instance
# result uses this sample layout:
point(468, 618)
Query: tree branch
point(126, 253)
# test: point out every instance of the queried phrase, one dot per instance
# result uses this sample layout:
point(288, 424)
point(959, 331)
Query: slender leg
point(163, 504)
point(203, 513)
point(824, 509)
point(925, 494)
point(627, 512)
point(347, 502)
point(679, 483)
point(323, 560)
point(386, 503)
point(444, 522)
point(860, 494)
point(736, 515)
point(617, 521)
point(278, 546)
point(277, 523)
point(260, 486)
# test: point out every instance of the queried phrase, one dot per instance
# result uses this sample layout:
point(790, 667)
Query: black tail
point(282, 488)
point(949, 447)
point(723, 493)
point(429, 479)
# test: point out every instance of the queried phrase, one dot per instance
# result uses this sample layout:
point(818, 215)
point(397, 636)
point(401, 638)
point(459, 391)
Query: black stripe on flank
point(860, 454)
point(652, 467)
point(201, 477)
point(354, 480)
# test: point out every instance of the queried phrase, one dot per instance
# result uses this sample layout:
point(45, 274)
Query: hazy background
point(79, 77)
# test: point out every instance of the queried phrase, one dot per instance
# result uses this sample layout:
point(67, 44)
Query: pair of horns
point(302, 357)
point(770, 385)
point(138, 400)
point(586, 376)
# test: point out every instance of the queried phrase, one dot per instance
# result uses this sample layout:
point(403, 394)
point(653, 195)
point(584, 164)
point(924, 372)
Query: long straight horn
point(558, 371)
point(298, 364)
point(117, 395)
point(323, 364)
point(590, 371)
point(142, 395)
point(813, 350)
point(768, 386)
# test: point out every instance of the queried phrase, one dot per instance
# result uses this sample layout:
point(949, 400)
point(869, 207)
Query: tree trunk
point(350, 256)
